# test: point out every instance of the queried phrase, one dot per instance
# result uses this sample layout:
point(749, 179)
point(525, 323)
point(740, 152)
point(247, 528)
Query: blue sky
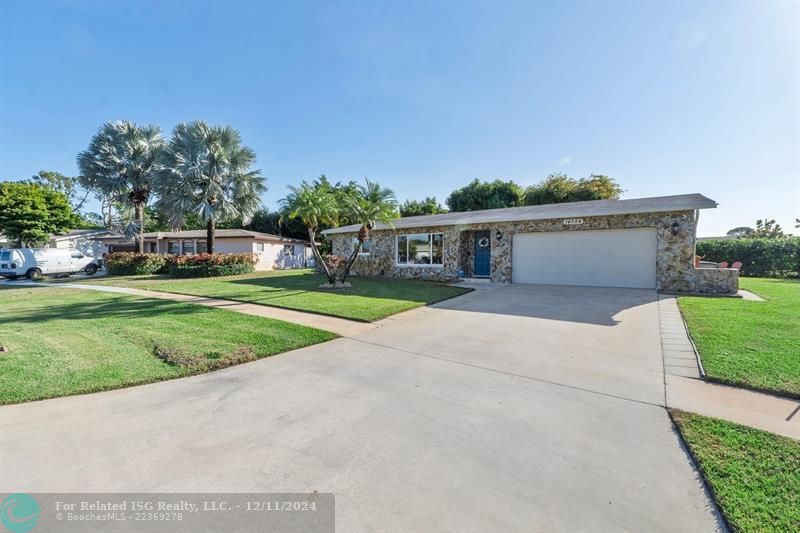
point(667, 98)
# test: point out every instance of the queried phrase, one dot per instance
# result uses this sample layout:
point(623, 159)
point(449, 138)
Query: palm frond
point(206, 169)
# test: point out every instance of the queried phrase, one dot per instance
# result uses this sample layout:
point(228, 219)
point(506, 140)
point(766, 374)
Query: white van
point(34, 263)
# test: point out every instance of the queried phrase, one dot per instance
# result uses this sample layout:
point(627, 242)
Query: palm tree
point(207, 170)
point(316, 206)
point(120, 163)
point(369, 205)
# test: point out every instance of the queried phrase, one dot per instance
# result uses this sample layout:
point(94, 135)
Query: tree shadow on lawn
point(117, 307)
point(418, 291)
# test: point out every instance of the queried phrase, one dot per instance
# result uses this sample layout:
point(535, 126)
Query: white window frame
point(262, 246)
point(397, 263)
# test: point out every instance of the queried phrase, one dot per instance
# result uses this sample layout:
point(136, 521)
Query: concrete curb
point(691, 341)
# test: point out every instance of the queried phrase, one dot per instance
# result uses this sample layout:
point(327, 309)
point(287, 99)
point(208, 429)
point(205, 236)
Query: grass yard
point(368, 300)
point(748, 343)
point(69, 341)
point(755, 474)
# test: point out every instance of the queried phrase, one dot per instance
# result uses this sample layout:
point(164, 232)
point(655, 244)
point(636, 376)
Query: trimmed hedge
point(132, 264)
point(774, 258)
point(211, 265)
point(183, 266)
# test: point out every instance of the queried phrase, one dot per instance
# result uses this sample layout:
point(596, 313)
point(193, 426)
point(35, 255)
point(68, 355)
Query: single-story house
point(272, 251)
point(638, 243)
point(82, 240)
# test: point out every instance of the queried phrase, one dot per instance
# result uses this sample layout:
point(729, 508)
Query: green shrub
point(211, 265)
point(131, 264)
point(776, 258)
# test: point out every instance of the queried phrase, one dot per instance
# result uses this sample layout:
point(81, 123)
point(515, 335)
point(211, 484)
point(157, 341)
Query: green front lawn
point(369, 299)
point(755, 474)
point(747, 343)
point(68, 341)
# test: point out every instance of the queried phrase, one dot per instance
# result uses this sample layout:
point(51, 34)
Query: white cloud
point(566, 160)
point(688, 35)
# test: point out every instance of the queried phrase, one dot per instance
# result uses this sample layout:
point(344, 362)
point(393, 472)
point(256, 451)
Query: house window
point(420, 249)
point(151, 247)
point(288, 249)
point(259, 247)
point(201, 247)
point(174, 247)
point(365, 247)
point(188, 247)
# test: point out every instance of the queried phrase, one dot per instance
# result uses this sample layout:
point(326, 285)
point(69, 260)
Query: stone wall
point(675, 270)
point(717, 281)
point(380, 261)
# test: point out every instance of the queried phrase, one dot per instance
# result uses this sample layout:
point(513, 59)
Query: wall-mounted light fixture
point(499, 235)
point(675, 228)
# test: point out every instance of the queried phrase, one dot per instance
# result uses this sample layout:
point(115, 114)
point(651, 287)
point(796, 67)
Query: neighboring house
point(639, 243)
point(82, 240)
point(272, 251)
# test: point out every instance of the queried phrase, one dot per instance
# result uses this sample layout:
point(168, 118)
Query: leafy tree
point(560, 188)
point(740, 232)
point(767, 229)
point(315, 205)
point(77, 194)
point(276, 223)
point(207, 170)
point(67, 185)
point(480, 195)
point(342, 192)
point(369, 205)
point(428, 206)
point(120, 164)
point(30, 213)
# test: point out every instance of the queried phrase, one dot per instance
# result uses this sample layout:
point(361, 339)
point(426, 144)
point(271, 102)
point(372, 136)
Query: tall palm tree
point(316, 206)
point(368, 205)
point(207, 170)
point(120, 163)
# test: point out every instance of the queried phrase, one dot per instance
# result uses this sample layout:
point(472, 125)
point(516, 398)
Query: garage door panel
point(605, 258)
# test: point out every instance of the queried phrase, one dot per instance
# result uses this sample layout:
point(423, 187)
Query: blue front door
point(483, 253)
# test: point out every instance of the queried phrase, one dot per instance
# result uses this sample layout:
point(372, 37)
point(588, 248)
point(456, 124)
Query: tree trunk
point(318, 257)
point(211, 229)
point(363, 235)
point(139, 214)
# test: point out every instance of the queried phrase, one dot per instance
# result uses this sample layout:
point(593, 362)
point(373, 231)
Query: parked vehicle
point(34, 263)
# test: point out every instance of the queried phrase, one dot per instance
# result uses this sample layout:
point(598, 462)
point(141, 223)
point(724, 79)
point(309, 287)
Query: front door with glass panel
point(483, 253)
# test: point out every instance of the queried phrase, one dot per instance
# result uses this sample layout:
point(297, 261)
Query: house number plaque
point(573, 221)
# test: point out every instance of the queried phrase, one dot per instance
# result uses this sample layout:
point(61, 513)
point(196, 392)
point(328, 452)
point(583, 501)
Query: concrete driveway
point(514, 408)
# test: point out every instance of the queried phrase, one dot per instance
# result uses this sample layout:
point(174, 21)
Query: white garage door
point(605, 258)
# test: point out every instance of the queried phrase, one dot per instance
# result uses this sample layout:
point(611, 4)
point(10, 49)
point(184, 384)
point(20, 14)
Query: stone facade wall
point(675, 270)
point(717, 280)
point(380, 261)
